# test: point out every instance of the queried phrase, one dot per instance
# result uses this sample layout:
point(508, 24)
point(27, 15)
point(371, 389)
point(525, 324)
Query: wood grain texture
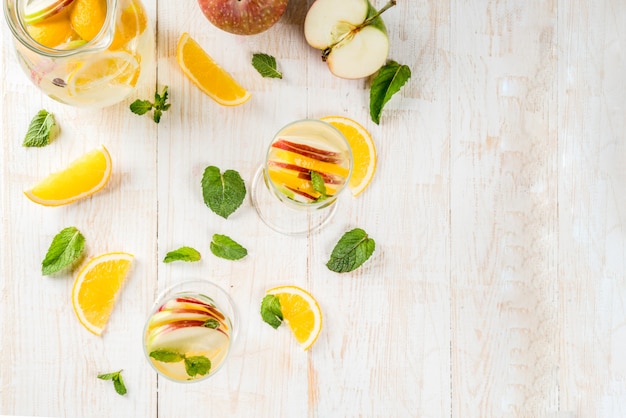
point(592, 207)
point(503, 209)
point(497, 286)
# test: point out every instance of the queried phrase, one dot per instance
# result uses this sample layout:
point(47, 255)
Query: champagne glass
point(190, 331)
point(307, 166)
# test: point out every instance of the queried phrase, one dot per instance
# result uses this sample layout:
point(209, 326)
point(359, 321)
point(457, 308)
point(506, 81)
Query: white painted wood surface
point(498, 287)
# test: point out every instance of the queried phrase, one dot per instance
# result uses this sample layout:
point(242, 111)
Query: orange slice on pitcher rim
point(207, 75)
point(81, 178)
point(97, 287)
point(363, 152)
point(301, 312)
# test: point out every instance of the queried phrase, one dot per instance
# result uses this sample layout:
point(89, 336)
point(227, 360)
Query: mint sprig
point(317, 181)
point(354, 248)
point(387, 82)
point(271, 311)
point(118, 382)
point(266, 65)
point(224, 192)
point(225, 247)
point(41, 130)
point(194, 365)
point(187, 254)
point(160, 105)
point(167, 356)
point(65, 249)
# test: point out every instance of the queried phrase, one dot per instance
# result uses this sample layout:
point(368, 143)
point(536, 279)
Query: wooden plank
point(49, 362)
point(387, 353)
point(592, 207)
point(503, 209)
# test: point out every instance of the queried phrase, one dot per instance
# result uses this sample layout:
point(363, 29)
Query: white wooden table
point(498, 286)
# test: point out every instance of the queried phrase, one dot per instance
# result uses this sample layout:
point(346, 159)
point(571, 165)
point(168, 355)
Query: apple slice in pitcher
point(39, 10)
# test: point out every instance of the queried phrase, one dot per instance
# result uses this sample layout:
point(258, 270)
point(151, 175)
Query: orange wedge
point(83, 177)
point(96, 288)
point(301, 312)
point(208, 75)
point(363, 152)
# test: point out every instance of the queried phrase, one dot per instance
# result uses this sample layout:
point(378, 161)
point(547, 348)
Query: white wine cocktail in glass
point(84, 53)
point(190, 331)
point(307, 166)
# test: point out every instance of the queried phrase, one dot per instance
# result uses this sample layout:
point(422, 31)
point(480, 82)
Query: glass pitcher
point(86, 53)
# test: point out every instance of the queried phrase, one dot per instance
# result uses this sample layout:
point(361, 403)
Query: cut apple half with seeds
point(351, 35)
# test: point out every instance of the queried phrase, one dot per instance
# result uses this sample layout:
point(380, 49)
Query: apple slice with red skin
point(309, 148)
point(180, 324)
point(184, 304)
point(39, 10)
point(301, 193)
point(172, 316)
point(307, 151)
point(305, 173)
point(183, 338)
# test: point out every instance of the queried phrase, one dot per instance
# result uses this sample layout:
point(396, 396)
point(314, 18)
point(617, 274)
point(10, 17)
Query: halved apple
point(351, 34)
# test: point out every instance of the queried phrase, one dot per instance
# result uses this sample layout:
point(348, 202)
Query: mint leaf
point(352, 250)
point(271, 311)
point(160, 105)
point(65, 249)
point(141, 107)
point(211, 323)
point(266, 65)
point(118, 384)
point(318, 183)
point(197, 365)
point(224, 247)
point(41, 130)
point(166, 356)
point(182, 254)
point(118, 381)
point(388, 81)
point(108, 376)
point(223, 193)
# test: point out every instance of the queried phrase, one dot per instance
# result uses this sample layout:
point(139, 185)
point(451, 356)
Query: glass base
point(282, 218)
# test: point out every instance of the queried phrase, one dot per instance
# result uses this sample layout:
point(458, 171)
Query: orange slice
point(132, 22)
point(301, 312)
point(110, 71)
point(87, 17)
point(52, 32)
point(363, 152)
point(208, 75)
point(96, 288)
point(83, 177)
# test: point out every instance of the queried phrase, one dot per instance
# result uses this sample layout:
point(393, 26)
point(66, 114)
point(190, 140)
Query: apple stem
point(387, 6)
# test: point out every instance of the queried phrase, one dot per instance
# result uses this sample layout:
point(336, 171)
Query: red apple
point(243, 17)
